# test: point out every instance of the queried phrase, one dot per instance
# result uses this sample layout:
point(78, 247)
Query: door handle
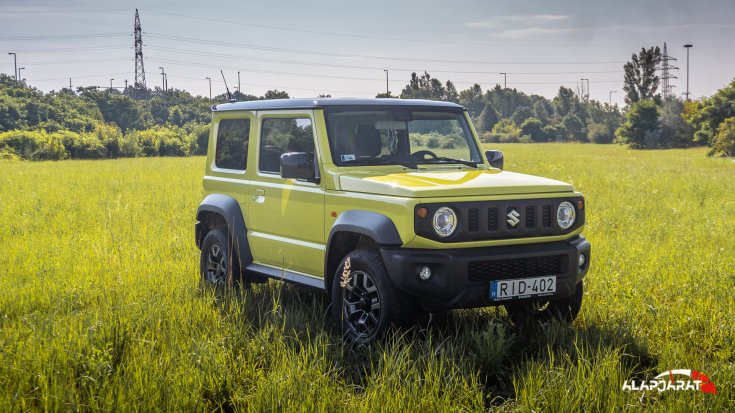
point(259, 196)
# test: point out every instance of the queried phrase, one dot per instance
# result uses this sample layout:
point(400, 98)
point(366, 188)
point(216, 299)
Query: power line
point(370, 79)
point(365, 36)
point(337, 54)
point(65, 36)
point(73, 49)
point(61, 62)
point(377, 68)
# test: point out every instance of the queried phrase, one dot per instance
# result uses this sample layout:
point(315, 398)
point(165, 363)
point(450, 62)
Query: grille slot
point(546, 216)
point(473, 220)
point(530, 216)
point(492, 219)
point(514, 268)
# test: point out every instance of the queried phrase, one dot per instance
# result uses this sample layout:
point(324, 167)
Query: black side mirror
point(297, 165)
point(495, 158)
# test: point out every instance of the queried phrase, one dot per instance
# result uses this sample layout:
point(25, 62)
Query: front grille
point(473, 220)
point(503, 219)
point(515, 268)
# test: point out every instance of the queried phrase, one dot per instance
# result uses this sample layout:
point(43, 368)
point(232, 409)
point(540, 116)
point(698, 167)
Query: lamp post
point(111, 85)
point(15, 65)
point(239, 88)
point(163, 79)
point(386, 82)
point(20, 78)
point(688, 46)
point(210, 87)
point(610, 97)
point(505, 80)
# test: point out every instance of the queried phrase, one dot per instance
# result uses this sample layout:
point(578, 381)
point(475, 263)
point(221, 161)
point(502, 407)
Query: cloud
point(534, 32)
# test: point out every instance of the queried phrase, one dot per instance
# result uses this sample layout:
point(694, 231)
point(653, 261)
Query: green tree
point(724, 142)
point(709, 113)
point(487, 119)
point(641, 81)
point(574, 127)
point(533, 128)
point(473, 99)
point(641, 122)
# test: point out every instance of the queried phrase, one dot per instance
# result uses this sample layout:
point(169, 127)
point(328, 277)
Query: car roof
point(273, 104)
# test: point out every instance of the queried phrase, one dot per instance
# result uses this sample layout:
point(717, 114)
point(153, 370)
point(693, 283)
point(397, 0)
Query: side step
point(285, 275)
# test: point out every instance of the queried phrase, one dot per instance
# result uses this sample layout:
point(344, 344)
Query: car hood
point(432, 183)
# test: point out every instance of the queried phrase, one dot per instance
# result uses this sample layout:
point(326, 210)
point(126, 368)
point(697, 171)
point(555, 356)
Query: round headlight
point(565, 215)
point(445, 221)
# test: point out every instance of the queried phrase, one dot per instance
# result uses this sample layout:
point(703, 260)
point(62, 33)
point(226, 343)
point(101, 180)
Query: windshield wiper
point(445, 159)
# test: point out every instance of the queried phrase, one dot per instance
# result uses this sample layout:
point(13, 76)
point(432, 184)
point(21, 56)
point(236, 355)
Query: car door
point(286, 229)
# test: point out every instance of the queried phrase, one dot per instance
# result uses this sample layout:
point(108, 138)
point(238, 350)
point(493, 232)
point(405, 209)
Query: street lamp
point(387, 91)
point(505, 80)
point(163, 78)
point(688, 46)
point(15, 65)
point(239, 88)
point(610, 97)
point(20, 78)
point(111, 85)
point(210, 87)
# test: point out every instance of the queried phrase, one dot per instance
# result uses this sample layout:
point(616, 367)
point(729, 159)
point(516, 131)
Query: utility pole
point(505, 80)
point(210, 87)
point(387, 89)
point(20, 78)
point(111, 85)
point(165, 81)
point(163, 78)
point(139, 70)
point(15, 65)
point(239, 89)
point(587, 95)
point(687, 46)
point(126, 84)
point(70, 84)
point(610, 97)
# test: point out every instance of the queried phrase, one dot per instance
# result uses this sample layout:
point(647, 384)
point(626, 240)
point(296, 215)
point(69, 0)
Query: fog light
point(424, 273)
point(582, 259)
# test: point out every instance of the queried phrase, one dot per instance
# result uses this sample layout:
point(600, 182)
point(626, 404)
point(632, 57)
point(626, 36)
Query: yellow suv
point(388, 205)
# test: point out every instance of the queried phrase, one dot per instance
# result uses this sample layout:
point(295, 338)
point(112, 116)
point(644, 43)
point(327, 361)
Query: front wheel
point(364, 302)
point(565, 309)
point(218, 265)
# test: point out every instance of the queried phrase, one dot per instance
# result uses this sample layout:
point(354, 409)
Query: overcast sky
point(341, 48)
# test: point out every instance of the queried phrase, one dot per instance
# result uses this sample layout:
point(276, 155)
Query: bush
point(599, 133)
point(723, 143)
point(81, 145)
point(33, 145)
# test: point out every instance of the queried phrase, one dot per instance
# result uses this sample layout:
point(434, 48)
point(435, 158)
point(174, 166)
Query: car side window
point(232, 144)
point(282, 135)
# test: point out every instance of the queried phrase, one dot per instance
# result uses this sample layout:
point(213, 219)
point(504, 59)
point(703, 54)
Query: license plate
point(523, 288)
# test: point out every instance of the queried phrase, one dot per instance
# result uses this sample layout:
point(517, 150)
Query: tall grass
point(100, 308)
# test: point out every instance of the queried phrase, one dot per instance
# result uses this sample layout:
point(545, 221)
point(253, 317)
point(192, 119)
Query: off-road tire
point(565, 309)
point(218, 264)
point(368, 285)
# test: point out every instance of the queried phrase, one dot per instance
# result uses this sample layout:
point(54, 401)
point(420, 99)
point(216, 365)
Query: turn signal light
point(422, 212)
point(580, 204)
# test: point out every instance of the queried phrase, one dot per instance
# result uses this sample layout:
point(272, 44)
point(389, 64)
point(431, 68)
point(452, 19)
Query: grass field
point(100, 308)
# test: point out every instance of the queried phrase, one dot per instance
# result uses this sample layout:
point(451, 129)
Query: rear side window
point(232, 144)
point(282, 135)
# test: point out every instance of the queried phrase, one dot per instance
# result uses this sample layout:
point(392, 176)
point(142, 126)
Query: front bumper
point(461, 277)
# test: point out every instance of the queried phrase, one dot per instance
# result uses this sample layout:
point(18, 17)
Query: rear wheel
point(364, 302)
point(218, 266)
point(565, 309)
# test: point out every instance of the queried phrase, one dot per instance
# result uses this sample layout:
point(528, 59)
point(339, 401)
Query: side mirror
point(297, 165)
point(495, 158)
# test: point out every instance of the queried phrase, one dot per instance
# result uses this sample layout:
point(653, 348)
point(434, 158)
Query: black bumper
point(461, 277)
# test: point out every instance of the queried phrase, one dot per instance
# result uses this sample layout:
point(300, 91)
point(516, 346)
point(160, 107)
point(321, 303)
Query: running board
point(285, 275)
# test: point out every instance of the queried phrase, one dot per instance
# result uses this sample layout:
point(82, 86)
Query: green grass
point(100, 308)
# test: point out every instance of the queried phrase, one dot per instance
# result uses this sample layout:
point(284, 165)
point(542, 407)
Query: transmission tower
point(139, 71)
point(667, 86)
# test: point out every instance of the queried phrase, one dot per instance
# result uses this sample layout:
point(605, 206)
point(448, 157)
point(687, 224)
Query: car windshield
point(400, 136)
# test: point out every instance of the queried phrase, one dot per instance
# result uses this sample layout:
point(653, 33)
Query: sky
point(343, 48)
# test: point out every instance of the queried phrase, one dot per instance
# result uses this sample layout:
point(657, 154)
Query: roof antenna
point(229, 95)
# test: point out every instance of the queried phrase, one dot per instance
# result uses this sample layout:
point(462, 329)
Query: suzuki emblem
point(513, 218)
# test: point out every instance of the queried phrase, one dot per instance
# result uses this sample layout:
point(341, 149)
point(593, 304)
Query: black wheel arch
point(357, 229)
point(217, 210)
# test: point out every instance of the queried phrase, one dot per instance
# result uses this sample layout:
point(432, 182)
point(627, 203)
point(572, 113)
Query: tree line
point(92, 123)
